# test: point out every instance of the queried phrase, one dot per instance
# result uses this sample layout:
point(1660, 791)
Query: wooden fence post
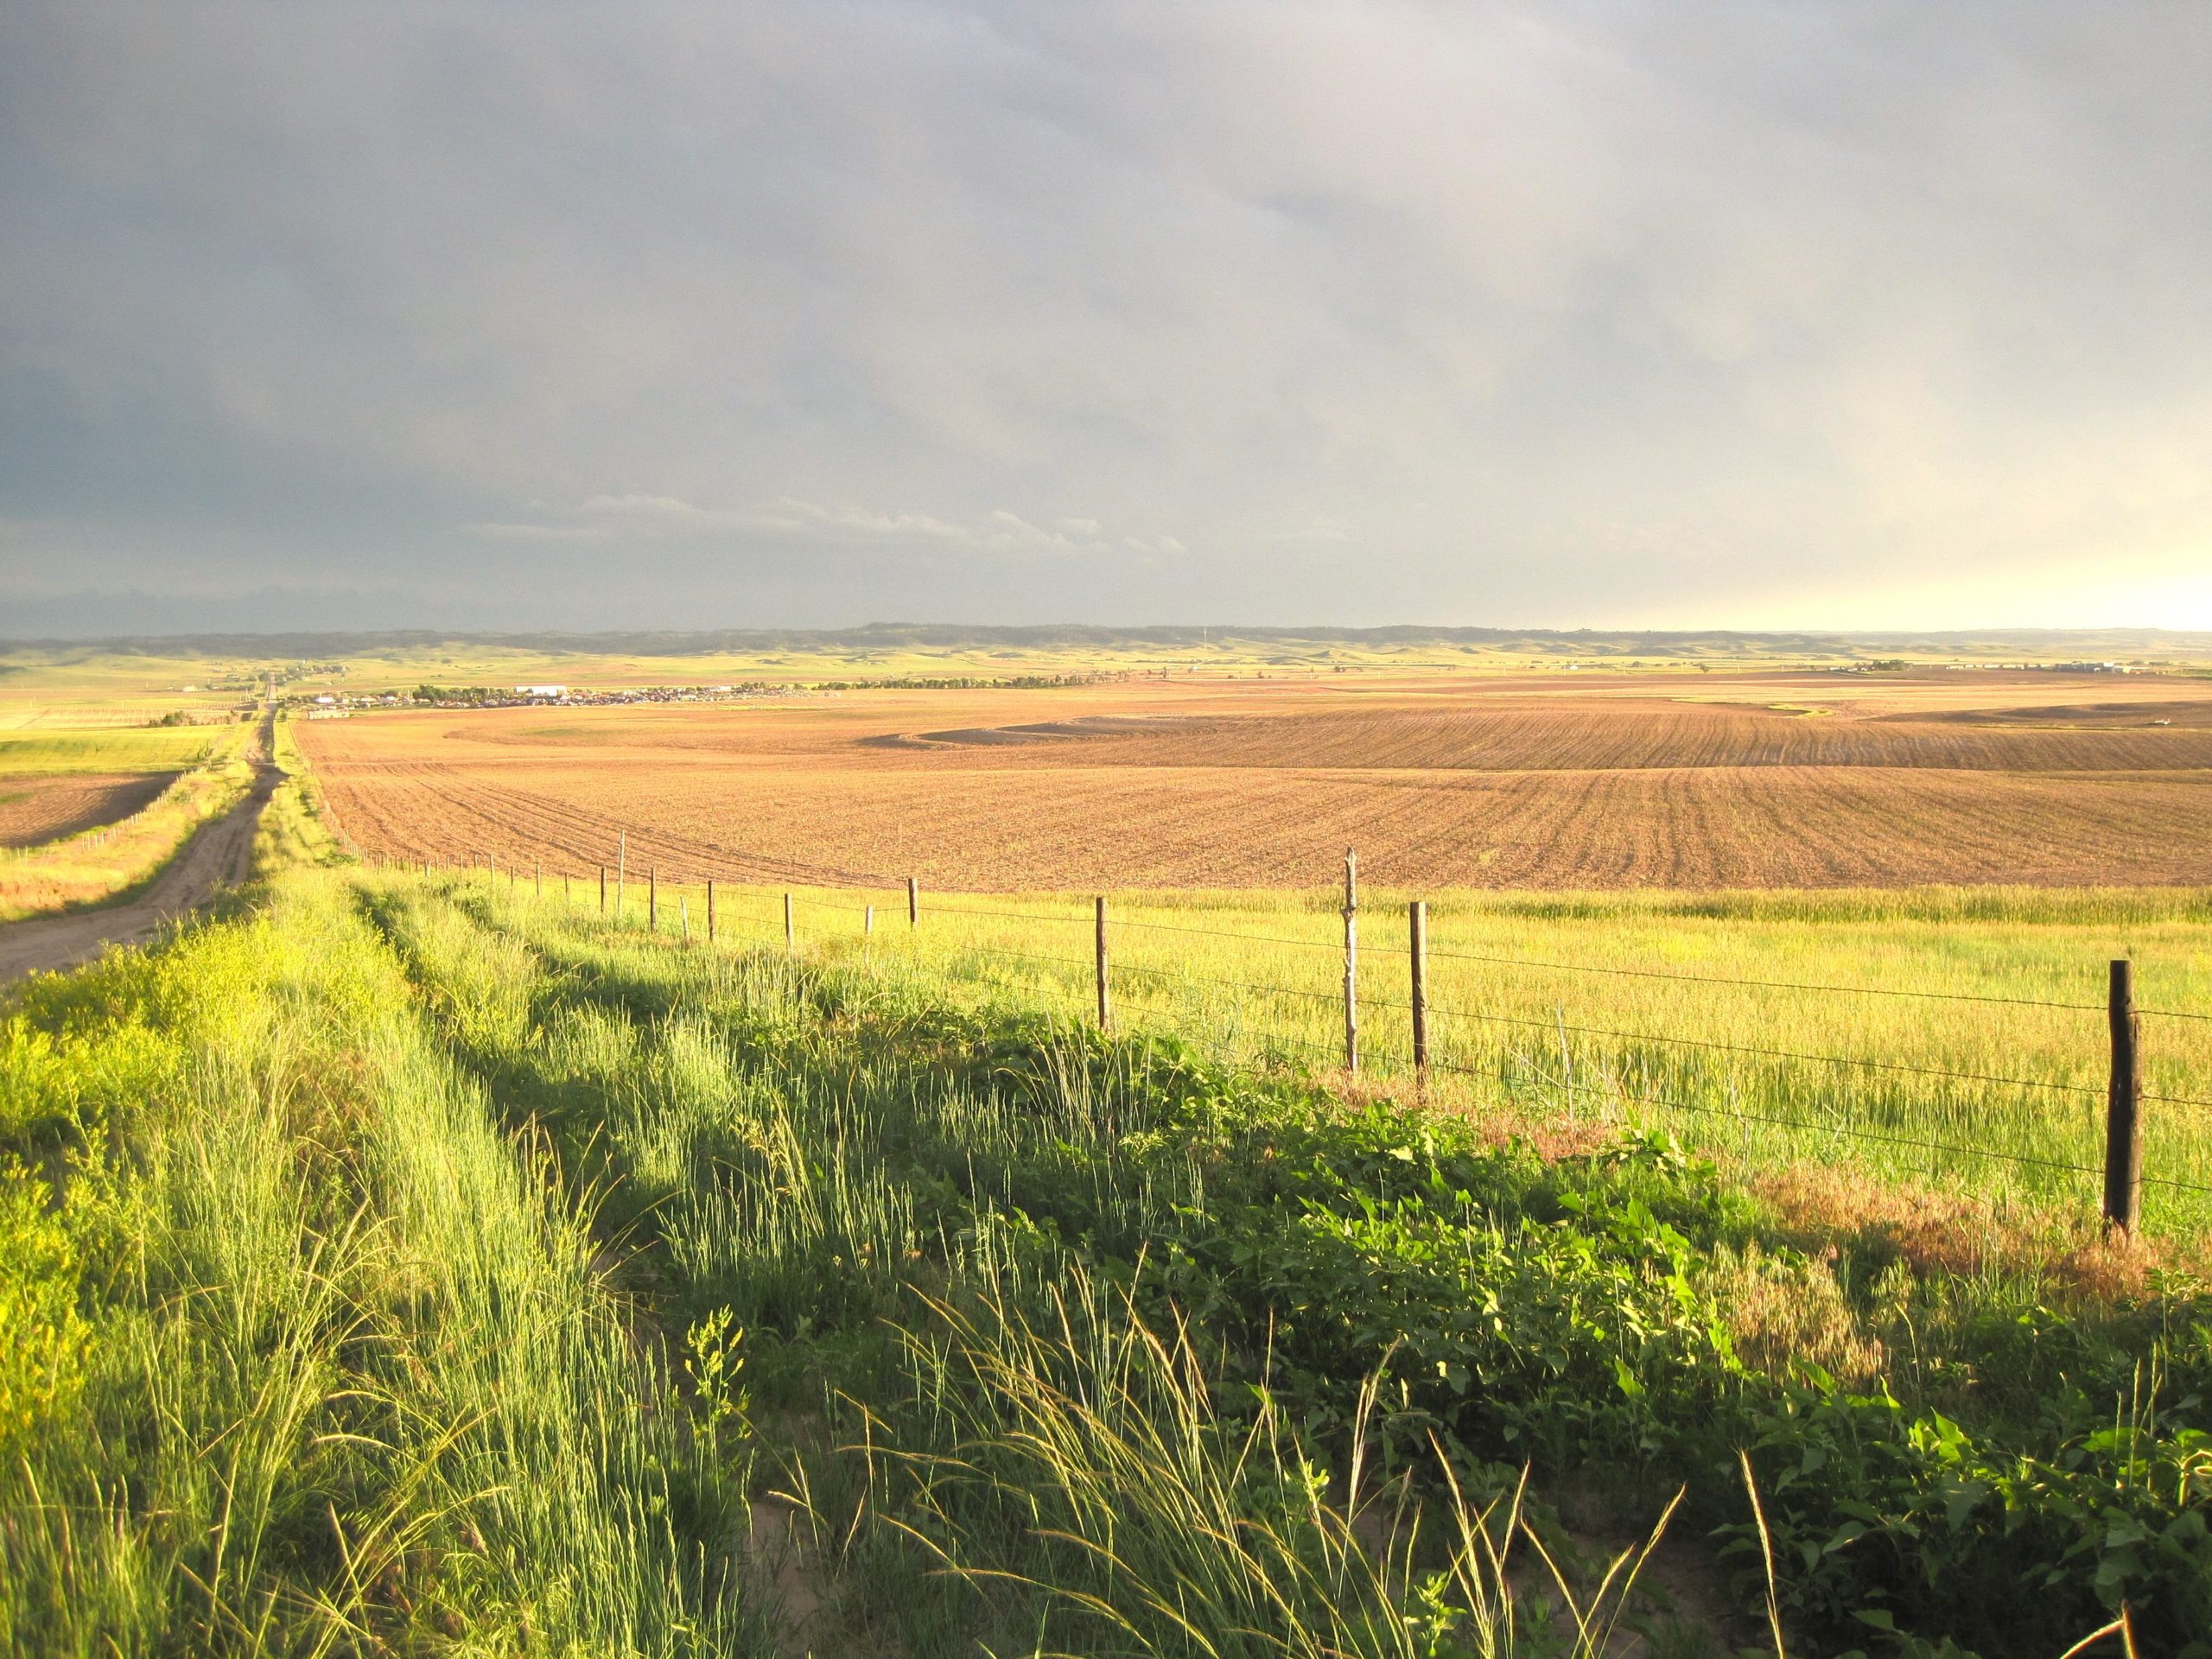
point(791, 935)
point(652, 898)
point(1105, 1009)
point(684, 916)
point(710, 910)
point(603, 889)
point(1351, 960)
point(2124, 1105)
point(867, 919)
point(1417, 948)
point(913, 902)
point(536, 879)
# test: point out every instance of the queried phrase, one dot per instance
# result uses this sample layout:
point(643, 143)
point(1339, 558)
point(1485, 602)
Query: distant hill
point(1999, 644)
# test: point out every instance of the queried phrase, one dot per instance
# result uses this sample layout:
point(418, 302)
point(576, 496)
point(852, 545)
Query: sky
point(561, 316)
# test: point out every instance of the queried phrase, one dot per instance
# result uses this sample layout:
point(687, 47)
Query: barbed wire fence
point(2119, 1178)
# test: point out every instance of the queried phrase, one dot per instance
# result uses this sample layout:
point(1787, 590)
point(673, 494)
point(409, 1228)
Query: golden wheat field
point(1747, 779)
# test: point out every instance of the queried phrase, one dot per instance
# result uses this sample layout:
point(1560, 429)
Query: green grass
point(141, 749)
point(339, 1369)
point(1518, 1017)
point(404, 1266)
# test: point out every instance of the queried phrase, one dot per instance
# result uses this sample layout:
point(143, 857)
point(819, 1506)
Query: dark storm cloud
point(554, 315)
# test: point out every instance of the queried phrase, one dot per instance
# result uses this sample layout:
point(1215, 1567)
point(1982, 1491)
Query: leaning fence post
point(710, 910)
point(791, 934)
point(913, 902)
point(2124, 1105)
point(1351, 960)
point(1417, 948)
point(1105, 1011)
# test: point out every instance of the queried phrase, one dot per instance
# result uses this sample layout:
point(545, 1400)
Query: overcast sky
point(539, 315)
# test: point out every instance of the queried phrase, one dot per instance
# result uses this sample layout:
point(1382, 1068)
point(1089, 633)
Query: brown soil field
point(1553, 781)
point(43, 806)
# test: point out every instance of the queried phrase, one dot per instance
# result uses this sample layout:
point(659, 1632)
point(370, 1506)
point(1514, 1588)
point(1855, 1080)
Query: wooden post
point(1417, 942)
point(1351, 960)
point(652, 898)
point(536, 879)
point(710, 910)
point(913, 902)
point(684, 916)
point(790, 938)
point(867, 919)
point(2124, 1105)
point(1105, 1011)
point(491, 866)
point(603, 889)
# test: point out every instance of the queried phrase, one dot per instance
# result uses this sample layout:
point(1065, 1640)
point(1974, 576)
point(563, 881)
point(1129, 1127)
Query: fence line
point(2122, 1171)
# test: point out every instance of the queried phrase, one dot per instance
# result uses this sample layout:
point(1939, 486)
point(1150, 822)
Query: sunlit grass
point(164, 748)
point(347, 1379)
point(1744, 1022)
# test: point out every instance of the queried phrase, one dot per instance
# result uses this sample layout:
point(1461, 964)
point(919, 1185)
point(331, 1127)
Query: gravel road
point(220, 854)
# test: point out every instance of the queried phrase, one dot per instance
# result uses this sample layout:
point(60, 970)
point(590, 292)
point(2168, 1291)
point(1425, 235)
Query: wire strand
point(1771, 1054)
point(1765, 984)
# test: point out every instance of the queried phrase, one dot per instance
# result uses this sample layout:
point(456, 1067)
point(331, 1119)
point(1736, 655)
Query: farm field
point(59, 782)
point(446, 1267)
point(1951, 1042)
point(1729, 779)
point(41, 808)
point(463, 1259)
point(78, 836)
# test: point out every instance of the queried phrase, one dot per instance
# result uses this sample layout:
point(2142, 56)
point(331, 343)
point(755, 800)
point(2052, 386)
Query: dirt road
point(220, 854)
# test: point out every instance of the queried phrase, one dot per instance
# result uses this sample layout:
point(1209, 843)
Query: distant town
point(332, 703)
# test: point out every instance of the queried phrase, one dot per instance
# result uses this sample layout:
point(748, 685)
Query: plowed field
point(43, 807)
point(1597, 781)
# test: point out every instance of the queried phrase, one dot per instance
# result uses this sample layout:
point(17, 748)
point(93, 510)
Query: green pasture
point(161, 748)
point(406, 1265)
point(1956, 1037)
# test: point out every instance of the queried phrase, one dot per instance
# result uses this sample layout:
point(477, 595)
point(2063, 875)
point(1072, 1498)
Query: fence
point(2117, 1178)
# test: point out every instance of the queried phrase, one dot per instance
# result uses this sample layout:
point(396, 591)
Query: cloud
point(634, 518)
point(1491, 313)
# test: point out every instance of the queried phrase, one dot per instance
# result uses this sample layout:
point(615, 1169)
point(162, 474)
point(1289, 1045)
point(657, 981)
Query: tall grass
point(1688, 1011)
point(1072, 1486)
point(1094, 1317)
point(1075, 1456)
point(408, 1266)
point(348, 1376)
